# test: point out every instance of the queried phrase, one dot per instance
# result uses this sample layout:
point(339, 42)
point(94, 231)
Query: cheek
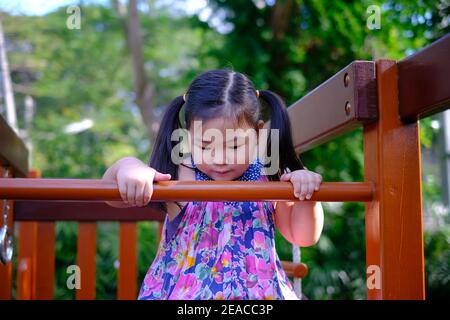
point(202, 156)
point(254, 147)
point(246, 154)
point(240, 169)
point(240, 156)
point(204, 168)
point(196, 154)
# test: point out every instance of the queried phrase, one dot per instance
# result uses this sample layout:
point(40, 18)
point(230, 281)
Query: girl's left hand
point(305, 182)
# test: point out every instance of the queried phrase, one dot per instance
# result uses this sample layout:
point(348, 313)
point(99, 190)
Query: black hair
point(230, 94)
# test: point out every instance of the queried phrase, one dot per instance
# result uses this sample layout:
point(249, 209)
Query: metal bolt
point(6, 237)
point(348, 108)
point(346, 80)
point(6, 245)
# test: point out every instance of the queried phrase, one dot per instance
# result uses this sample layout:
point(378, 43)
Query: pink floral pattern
point(220, 250)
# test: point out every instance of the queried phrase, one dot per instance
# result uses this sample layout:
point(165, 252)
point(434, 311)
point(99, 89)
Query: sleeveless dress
point(219, 250)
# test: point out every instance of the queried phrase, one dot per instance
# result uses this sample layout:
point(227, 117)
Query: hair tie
point(184, 97)
point(257, 93)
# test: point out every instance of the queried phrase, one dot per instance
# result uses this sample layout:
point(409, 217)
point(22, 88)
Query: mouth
point(222, 172)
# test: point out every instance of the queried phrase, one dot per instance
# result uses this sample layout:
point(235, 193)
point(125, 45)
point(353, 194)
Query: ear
point(260, 124)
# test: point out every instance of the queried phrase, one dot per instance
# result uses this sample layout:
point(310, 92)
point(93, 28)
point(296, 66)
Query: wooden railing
point(36, 220)
point(93, 189)
point(385, 98)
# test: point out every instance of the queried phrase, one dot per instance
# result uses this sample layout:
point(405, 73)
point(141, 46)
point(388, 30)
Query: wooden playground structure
point(385, 97)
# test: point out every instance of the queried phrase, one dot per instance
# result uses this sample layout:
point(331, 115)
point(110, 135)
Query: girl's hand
point(305, 182)
point(135, 181)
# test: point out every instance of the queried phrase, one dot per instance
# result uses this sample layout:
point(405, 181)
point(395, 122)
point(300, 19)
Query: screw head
point(346, 80)
point(348, 108)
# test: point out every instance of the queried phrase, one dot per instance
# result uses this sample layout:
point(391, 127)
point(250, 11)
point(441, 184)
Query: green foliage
point(437, 265)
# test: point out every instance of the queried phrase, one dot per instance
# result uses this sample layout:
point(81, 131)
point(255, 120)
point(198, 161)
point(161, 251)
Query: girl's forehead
point(220, 130)
point(220, 124)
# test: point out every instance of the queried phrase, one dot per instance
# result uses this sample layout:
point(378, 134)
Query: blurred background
point(91, 80)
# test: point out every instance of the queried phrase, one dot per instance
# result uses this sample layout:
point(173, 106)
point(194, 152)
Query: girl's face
point(222, 150)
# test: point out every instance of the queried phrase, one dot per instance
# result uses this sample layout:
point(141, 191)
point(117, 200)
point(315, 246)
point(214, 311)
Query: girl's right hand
point(135, 182)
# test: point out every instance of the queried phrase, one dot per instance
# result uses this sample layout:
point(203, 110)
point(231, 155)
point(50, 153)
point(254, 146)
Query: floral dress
point(219, 250)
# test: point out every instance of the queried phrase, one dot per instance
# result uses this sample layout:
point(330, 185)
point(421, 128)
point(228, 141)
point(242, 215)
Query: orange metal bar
point(394, 233)
point(86, 254)
point(127, 278)
point(96, 189)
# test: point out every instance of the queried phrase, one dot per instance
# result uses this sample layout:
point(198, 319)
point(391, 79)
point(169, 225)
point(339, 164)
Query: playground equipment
point(385, 97)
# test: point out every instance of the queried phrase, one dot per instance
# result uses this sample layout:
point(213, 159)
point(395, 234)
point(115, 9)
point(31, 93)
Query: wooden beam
point(423, 81)
point(394, 232)
point(36, 210)
point(13, 151)
point(342, 103)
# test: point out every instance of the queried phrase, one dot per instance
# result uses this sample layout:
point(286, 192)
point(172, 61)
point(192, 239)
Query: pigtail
point(162, 148)
point(279, 119)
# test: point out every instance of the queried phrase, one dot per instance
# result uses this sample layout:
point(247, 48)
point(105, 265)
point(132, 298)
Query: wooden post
point(86, 258)
point(27, 235)
point(27, 240)
point(44, 262)
point(394, 233)
point(127, 277)
point(36, 257)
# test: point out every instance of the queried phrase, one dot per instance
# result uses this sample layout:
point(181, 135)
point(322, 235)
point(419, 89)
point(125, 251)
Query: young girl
point(222, 250)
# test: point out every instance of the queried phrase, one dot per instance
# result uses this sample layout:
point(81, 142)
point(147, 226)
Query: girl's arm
point(110, 175)
point(134, 180)
point(300, 222)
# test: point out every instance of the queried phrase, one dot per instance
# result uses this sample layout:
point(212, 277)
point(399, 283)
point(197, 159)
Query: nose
point(219, 157)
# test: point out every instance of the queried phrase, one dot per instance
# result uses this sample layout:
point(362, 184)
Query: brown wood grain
point(394, 231)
